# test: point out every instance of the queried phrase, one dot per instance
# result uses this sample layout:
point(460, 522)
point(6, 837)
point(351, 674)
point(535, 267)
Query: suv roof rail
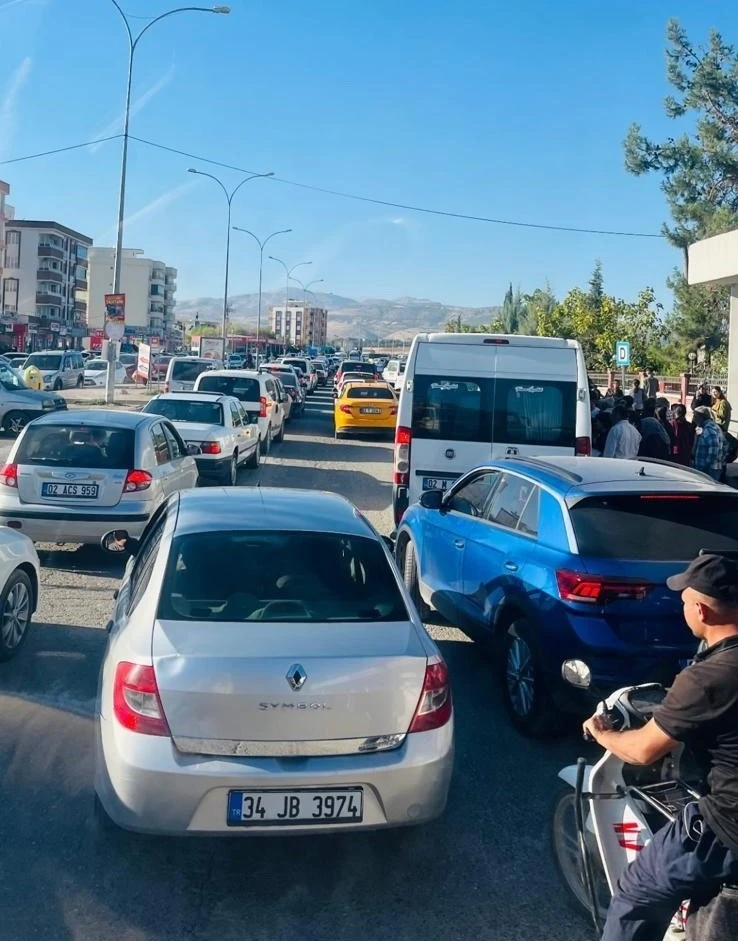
point(550, 468)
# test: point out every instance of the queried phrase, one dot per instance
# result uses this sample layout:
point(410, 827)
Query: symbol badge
point(450, 453)
point(296, 676)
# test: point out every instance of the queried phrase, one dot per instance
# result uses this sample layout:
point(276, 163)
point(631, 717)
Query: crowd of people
point(643, 424)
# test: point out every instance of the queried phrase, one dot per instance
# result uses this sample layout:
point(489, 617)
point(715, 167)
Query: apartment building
point(44, 284)
point(149, 287)
point(5, 213)
point(300, 325)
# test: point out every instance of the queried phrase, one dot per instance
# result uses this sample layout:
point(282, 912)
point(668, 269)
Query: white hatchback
point(257, 392)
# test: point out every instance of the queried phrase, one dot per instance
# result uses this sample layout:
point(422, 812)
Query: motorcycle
point(609, 810)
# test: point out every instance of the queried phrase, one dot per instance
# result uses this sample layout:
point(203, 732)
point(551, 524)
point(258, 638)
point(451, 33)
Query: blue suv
point(546, 560)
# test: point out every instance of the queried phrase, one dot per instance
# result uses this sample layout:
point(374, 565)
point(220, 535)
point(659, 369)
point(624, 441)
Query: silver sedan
point(267, 672)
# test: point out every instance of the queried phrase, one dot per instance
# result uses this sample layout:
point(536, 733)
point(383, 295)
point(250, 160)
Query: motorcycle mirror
point(576, 673)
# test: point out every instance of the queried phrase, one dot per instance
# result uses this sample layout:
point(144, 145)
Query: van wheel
point(15, 422)
point(58, 385)
point(524, 689)
point(410, 575)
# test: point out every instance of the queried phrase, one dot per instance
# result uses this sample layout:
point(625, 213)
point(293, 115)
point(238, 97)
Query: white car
point(19, 578)
point(218, 425)
point(96, 372)
point(394, 373)
point(257, 392)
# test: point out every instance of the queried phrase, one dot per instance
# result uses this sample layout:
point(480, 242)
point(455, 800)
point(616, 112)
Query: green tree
point(514, 316)
point(596, 286)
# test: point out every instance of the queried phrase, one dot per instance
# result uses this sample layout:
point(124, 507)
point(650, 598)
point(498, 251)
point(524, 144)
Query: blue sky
point(505, 110)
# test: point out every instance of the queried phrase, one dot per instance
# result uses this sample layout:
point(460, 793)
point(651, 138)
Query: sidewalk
point(133, 397)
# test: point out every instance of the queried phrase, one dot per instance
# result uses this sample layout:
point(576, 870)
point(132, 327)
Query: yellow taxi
point(365, 407)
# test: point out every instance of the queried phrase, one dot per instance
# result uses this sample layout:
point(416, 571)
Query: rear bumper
point(217, 467)
point(68, 524)
point(360, 429)
point(145, 784)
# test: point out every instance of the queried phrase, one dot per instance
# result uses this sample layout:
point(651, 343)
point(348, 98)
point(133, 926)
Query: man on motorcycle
point(694, 855)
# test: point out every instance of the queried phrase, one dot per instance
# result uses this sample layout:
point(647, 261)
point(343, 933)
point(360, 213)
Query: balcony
point(50, 251)
point(80, 307)
point(49, 274)
point(51, 300)
point(80, 285)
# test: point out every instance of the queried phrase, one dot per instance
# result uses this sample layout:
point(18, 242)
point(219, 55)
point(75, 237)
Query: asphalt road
point(482, 873)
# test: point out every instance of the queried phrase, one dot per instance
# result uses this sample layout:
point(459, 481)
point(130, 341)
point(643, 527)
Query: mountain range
point(371, 318)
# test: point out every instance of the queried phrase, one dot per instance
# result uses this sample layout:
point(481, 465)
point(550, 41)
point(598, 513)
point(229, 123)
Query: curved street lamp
point(261, 245)
point(288, 273)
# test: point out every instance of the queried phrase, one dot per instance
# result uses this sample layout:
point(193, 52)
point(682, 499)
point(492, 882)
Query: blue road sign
point(622, 353)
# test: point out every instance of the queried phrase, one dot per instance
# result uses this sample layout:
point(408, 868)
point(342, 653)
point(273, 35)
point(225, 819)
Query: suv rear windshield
point(47, 361)
point(509, 411)
point(242, 387)
point(77, 446)
point(655, 527)
point(184, 370)
point(254, 575)
point(206, 413)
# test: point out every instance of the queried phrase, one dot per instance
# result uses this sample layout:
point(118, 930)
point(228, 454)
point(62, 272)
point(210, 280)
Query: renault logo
point(296, 676)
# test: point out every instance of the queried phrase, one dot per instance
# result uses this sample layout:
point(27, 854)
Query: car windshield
point(44, 361)
point(187, 370)
point(10, 380)
point(655, 527)
point(251, 575)
point(206, 413)
point(73, 445)
point(242, 387)
point(95, 365)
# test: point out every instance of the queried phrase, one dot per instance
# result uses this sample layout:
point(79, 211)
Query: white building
point(300, 325)
point(149, 288)
point(44, 283)
point(5, 213)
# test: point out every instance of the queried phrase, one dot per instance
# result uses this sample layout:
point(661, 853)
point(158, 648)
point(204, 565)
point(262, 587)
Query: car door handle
point(511, 566)
point(459, 543)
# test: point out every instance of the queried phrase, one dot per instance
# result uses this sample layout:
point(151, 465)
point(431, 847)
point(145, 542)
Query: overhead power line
point(409, 207)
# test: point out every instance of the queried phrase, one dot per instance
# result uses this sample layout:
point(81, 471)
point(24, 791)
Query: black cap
point(713, 575)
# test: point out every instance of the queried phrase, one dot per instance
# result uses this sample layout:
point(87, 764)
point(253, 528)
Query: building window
point(12, 249)
point(10, 296)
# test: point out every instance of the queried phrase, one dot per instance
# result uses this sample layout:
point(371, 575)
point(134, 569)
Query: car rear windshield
point(77, 446)
point(45, 361)
point(206, 413)
point(353, 366)
point(366, 392)
point(483, 409)
point(286, 378)
point(188, 370)
point(242, 387)
point(278, 576)
point(655, 527)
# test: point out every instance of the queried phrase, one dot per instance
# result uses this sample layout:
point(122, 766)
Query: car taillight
point(9, 475)
point(599, 589)
point(393, 410)
point(403, 439)
point(137, 480)
point(434, 708)
point(346, 409)
point(209, 447)
point(583, 446)
point(136, 702)
point(263, 408)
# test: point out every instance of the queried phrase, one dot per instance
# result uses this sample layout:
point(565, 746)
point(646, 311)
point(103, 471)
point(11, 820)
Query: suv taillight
point(599, 589)
point(583, 446)
point(137, 480)
point(136, 702)
point(434, 708)
point(263, 406)
point(403, 440)
point(9, 475)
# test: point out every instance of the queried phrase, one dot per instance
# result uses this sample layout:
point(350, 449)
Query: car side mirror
point(432, 499)
point(118, 541)
point(193, 449)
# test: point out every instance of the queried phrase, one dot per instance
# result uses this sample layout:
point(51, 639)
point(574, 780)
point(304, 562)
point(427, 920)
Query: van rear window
point(242, 387)
point(539, 412)
point(452, 408)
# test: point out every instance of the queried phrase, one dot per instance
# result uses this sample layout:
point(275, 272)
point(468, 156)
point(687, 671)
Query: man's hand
point(596, 724)
point(635, 746)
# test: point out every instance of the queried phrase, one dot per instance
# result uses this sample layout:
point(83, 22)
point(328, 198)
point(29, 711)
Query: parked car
point(72, 476)
point(16, 360)
point(20, 405)
point(264, 636)
point(468, 398)
point(61, 369)
point(96, 372)
point(546, 560)
point(236, 361)
point(19, 590)
point(257, 392)
point(183, 372)
point(130, 364)
point(218, 426)
point(365, 407)
point(159, 366)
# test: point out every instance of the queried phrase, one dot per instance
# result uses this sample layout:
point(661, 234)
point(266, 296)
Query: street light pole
point(288, 273)
point(229, 200)
point(133, 42)
point(261, 265)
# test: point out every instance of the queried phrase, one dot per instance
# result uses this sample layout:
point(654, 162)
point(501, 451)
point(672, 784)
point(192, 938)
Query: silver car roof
point(277, 508)
point(110, 418)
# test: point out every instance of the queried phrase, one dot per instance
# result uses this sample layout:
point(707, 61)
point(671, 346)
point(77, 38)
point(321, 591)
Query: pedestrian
point(623, 439)
point(683, 436)
point(721, 408)
point(638, 396)
point(709, 445)
point(702, 397)
point(655, 441)
point(601, 424)
point(661, 415)
point(651, 385)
